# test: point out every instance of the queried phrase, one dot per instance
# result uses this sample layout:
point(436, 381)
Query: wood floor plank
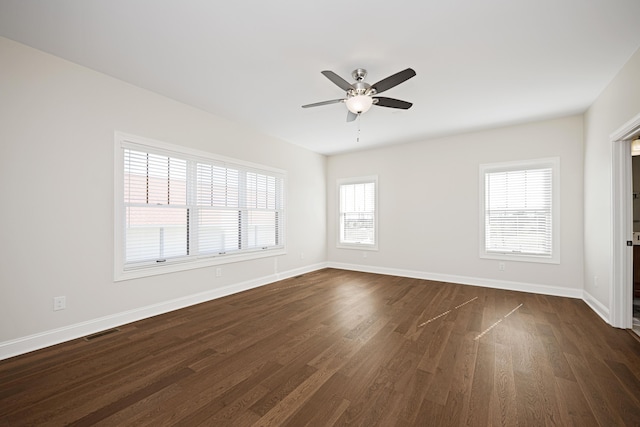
point(282, 390)
point(554, 353)
point(237, 412)
point(482, 385)
point(621, 402)
point(105, 386)
point(443, 367)
point(213, 405)
point(137, 413)
point(529, 403)
point(574, 406)
point(543, 378)
point(593, 393)
point(290, 404)
point(431, 415)
point(371, 399)
point(503, 406)
point(414, 393)
point(437, 345)
point(337, 347)
point(131, 399)
point(327, 402)
point(458, 397)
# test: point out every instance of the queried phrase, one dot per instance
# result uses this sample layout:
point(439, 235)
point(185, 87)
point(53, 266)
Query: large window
point(519, 206)
point(358, 222)
point(178, 208)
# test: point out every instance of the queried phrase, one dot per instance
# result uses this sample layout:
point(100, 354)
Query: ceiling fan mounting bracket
point(359, 74)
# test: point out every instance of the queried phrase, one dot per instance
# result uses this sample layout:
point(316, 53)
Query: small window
point(519, 206)
point(357, 215)
point(178, 209)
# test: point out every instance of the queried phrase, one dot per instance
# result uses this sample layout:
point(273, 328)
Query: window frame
point(543, 163)
point(350, 181)
point(125, 271)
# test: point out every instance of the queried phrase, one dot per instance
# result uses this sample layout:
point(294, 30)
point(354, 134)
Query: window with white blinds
point(519, 210)
point(186, 209)
point(357, 212)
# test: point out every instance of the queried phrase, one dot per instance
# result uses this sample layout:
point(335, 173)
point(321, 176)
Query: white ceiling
point(479, 63)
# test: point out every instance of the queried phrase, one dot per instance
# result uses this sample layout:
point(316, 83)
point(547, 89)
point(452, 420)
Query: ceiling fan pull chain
point(358, 138)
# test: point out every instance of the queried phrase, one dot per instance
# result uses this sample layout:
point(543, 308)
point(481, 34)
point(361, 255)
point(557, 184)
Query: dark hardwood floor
point(340, 348)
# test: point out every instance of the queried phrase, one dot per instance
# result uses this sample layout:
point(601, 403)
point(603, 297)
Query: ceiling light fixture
point(359, 103)
point(635, 147)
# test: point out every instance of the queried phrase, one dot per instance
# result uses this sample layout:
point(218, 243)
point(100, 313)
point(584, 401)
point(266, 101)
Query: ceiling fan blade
point(338, 81)
point(317, 104)
point(394, 80)
point(392, 103)
point(351, 116)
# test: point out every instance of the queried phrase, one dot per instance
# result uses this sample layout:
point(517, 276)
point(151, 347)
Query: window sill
point(521, 258)
point(360, 247)
point(154, 269)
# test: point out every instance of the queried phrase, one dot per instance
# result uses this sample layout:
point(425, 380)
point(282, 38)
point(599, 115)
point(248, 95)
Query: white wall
point(615, 106)
point(428, 206)
point(57, 123)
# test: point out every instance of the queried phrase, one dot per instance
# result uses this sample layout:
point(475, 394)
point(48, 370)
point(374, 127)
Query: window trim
point(121, 271)
point(549, 162)
point(358, 180)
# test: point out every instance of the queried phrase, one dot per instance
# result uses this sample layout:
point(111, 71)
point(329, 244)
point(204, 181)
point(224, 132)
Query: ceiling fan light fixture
point(359, 103)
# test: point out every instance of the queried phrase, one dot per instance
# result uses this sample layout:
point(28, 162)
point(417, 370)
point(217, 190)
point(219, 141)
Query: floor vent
point(101, 334)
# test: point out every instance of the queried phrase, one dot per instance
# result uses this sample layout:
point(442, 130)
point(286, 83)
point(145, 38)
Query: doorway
point(635, 173)
point(621, 308)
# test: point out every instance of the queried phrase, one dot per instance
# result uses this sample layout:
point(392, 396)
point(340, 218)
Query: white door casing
point(621, 289)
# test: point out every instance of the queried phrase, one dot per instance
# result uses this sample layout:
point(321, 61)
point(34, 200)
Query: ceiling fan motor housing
point(360, 88)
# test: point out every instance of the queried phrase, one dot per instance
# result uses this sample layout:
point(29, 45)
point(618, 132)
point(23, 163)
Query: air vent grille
point(101, 334)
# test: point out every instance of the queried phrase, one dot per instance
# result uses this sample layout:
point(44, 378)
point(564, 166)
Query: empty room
point(319, 213)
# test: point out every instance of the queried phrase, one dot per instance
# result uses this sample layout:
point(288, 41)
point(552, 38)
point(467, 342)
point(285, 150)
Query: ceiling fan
point(360, 95)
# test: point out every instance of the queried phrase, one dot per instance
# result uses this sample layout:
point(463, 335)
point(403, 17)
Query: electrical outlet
point(364, 254)
point(59, 303)
point(218, 272)
point(301, 255)
point(502, 266)
point(595, 281)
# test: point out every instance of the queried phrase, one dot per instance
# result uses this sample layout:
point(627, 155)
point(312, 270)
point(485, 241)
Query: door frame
point(621, 289)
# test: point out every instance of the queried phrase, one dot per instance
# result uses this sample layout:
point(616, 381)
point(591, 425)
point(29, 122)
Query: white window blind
point(155, 202)
point(181, 208)
point(358, 212)
point(519, 209)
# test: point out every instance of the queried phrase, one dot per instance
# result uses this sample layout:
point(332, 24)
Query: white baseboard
point(596, 306)
point(464, 280)
point(56, 336)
